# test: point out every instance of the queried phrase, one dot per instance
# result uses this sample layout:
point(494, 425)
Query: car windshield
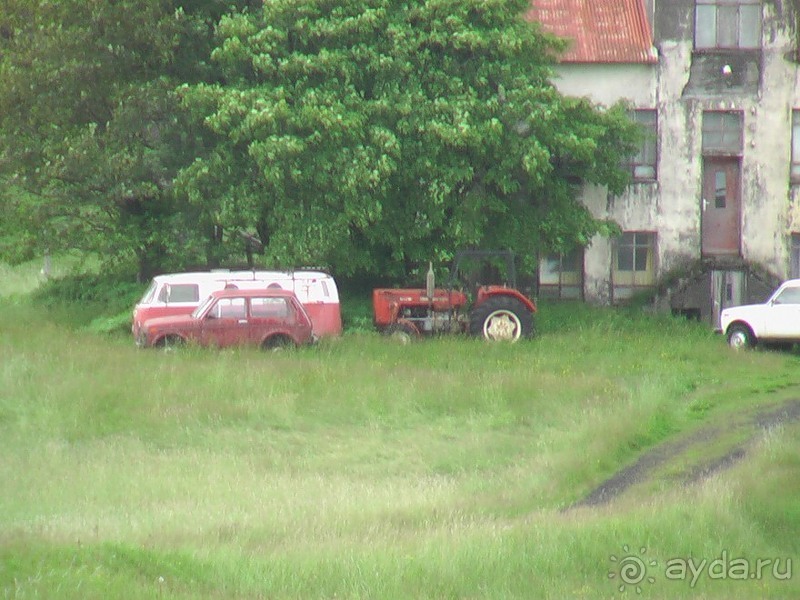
point(789, 295)
point(148, 295)
point(203, 305)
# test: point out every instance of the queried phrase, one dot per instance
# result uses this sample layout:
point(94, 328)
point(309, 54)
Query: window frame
point(738, 14)
point(794, 164)
point(724, 132)
point(794, 255)
point(625, 282)
point(569, 275)
point(647, 119)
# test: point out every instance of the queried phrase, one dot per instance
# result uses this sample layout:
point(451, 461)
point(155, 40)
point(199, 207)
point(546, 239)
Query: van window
point(148, 295)
point(179, 292)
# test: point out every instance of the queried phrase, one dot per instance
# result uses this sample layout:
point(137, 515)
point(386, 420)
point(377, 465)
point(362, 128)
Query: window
point(795, 172)
point(229, 308)
point(148, 295)
point(633, 263)
point(643, 164)
point(722, 133)
point(794, 262)
point(181, 292)
point(727, 24)
point(789, 295)
point(720, 189)
point(561, 275)
point(269, 308)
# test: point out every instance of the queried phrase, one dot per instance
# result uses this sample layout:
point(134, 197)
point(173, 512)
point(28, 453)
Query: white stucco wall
point(606, 84)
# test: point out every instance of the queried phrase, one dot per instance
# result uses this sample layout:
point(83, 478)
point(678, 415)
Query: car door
point(267, 315)
point(225, 324)
point(302, 324)
point(783, 314)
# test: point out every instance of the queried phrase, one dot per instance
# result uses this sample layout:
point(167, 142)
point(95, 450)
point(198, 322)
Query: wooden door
point(720, 207)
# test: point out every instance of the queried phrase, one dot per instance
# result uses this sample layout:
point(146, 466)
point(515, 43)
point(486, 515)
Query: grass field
point(365, 469)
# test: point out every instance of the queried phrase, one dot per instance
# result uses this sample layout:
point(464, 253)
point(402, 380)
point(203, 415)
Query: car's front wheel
point(170, 342)
point(740, 337)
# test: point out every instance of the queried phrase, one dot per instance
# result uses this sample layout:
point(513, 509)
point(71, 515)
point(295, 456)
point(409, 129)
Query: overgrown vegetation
point(364, 469)
point(366, 135)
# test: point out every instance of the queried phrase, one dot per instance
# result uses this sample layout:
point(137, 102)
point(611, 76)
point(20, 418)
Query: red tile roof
point(601, 31)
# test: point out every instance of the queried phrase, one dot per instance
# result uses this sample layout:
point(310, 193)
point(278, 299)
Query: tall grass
point(365, 469)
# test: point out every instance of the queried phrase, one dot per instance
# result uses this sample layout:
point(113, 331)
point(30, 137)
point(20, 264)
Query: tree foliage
point(373, 135)
point(367, 135)
point(91, 131)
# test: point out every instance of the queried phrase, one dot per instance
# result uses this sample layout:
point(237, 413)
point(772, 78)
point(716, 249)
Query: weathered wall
point(764, 84)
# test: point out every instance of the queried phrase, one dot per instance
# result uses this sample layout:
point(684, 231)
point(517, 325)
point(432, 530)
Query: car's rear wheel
point(276, 343)
point(740, 337)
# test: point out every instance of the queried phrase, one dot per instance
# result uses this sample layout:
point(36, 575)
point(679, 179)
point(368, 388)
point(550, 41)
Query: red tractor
point(499, 312)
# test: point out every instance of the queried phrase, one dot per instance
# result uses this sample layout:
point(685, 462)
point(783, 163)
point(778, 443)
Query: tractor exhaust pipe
point(430, 283)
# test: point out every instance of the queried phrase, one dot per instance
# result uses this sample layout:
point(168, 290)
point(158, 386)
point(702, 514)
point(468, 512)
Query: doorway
point(720, 207)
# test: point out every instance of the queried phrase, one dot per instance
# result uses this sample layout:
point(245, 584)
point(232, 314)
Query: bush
point(103, 302)
point(115, 324)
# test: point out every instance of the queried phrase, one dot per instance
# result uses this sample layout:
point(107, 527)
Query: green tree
point(91, 130)
point(373, 135)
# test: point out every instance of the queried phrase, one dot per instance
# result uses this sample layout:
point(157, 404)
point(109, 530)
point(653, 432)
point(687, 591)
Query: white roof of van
point(223, 275)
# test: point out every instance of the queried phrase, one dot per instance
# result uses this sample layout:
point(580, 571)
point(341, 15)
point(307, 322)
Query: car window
point(269, 308)
point(202, 307)
point(790, 295)
point(229, 308)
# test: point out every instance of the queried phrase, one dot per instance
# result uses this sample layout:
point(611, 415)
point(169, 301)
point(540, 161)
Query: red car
point(269, 318)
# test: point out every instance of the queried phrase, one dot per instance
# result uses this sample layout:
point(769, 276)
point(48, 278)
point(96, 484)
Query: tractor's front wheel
point(501, 319)
point(404, 333)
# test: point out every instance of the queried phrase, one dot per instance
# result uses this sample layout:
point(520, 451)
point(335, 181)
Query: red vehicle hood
point(183, 321)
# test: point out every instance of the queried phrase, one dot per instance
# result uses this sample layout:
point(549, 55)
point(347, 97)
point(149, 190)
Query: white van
point(181, 293)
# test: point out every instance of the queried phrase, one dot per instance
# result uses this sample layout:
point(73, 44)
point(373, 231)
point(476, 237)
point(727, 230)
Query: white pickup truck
point(775, 321)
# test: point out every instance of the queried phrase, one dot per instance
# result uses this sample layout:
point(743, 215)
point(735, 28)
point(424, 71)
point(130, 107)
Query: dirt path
point(640, 471)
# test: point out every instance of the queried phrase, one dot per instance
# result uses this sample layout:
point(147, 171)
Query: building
point(712, 215)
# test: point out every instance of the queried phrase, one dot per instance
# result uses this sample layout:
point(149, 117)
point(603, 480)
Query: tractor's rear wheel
point(501, 318)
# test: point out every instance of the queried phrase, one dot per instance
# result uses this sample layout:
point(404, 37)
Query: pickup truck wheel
point(740, 337)
point(501, 319)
